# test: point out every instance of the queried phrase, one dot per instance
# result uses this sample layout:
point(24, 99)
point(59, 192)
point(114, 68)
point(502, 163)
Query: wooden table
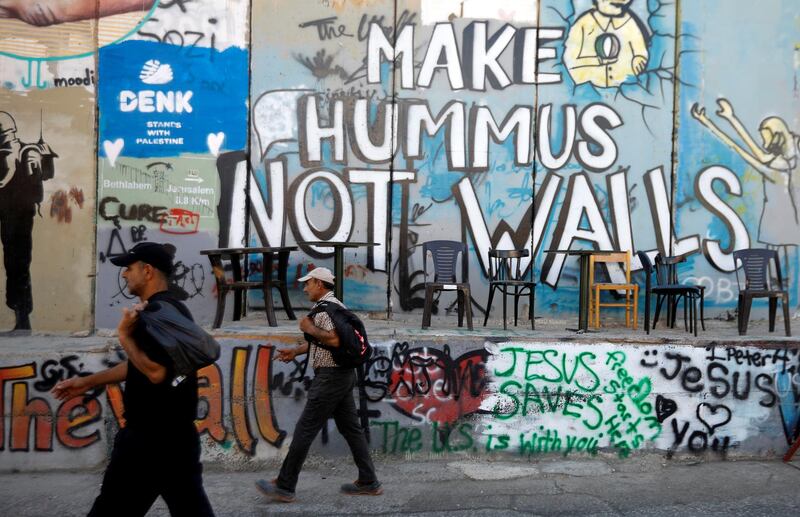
point(583, 296)
point(338, 260)
point(240, 284)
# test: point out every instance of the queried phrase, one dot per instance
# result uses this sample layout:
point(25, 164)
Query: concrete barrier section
point(516, 399)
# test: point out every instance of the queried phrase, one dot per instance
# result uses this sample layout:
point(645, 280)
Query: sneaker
point(359, 488)
point(274, 492)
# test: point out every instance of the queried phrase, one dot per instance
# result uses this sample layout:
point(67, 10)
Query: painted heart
point(665, 408)
point(214, 141)
point(429, 385)
point(713, 416)
point(113, 149)
point(640, 391)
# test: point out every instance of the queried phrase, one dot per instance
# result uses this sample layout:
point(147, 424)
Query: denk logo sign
point(154, 103)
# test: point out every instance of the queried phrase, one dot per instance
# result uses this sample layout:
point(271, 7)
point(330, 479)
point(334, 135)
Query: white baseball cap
point(320, 273)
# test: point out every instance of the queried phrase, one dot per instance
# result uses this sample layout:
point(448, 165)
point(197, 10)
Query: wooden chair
point(595, 289)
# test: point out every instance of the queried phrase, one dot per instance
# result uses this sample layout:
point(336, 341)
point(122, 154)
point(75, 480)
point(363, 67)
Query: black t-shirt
point(162, 405)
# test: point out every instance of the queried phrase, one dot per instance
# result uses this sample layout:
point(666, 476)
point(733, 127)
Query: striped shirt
point(321, 358)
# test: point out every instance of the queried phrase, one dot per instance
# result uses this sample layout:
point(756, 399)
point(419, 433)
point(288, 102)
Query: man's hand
point(307, 325)
point(287, 354)
point(42, 13)
point(8, 8)
point(71, 388)
point(129, 318)
point(39, 13)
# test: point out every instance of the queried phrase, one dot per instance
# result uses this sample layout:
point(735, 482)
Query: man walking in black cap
point(158, 450)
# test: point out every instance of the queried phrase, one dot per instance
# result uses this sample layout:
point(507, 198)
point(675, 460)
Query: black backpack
point(354, 348)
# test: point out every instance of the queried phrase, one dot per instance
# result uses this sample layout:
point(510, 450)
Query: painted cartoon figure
point(23, 168)
point(607, 45)
point(50, 12)
point(777, 162)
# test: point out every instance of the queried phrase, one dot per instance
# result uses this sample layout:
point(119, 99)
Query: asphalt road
point(648, 486)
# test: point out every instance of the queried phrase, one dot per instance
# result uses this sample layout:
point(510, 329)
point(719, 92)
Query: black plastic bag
point(188, 345)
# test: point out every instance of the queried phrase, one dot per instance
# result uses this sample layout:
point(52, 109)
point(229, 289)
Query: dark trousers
point(331, 394)
point(146, 464)
point(16, 234)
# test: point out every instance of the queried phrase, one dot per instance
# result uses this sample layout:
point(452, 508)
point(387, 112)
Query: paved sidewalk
point(455, 487)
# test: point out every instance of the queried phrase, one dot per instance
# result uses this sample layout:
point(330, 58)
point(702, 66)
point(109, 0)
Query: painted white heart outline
point(113, 149)
point(214, 142)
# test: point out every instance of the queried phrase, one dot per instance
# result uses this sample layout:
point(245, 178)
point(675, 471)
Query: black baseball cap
point(153, 253)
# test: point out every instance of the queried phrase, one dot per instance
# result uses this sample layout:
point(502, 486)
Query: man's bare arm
point(288, 354)
point(75, 386)
point(155, 372)
point(326, 337)
point(50, 12)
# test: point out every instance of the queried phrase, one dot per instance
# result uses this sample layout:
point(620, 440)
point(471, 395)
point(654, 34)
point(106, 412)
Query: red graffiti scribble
point(59, 207)
point(76, 195)
point(179, 221)
point(356, 271)
point(60, 204)
point(429, 385)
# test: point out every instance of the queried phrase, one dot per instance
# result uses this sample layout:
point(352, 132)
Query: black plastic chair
point(505, 273)
point(671, 264)
point(758, 284)
point(445, 255)
point(665, 289)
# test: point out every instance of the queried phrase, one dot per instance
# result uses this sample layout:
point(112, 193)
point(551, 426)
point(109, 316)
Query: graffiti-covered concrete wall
point(512, 399)
point(173, 98)
point(48, 88)
point(737, 183)
point(520, 124)
point(535, 124)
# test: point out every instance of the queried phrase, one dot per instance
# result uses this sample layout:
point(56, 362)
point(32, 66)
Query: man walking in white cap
point(330, 395)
